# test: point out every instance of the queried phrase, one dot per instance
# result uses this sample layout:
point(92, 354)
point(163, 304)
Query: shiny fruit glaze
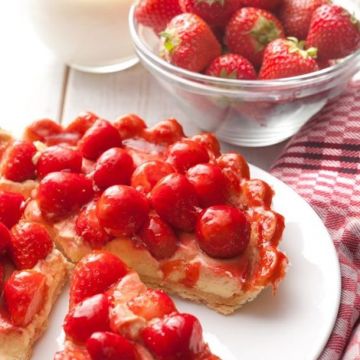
point(146, 175)
point(94, 274)
point(152, 304)
point(101, 136)
point(42, 129)
point(57, 158)
point(175, 200)
point(87, 317)
point(110, 346)
point(114, 167)
point(5, 239)
point(24, 294)
point(18, 162)
point(186, 153)
point(61, 193)
point(88, 227)
point(223, 231)
point(177, 336)
point(210, 184)
point(11, 208)
point(122, 210)
point(159, 238)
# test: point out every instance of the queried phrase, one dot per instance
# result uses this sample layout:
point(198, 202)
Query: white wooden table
point(34, 84)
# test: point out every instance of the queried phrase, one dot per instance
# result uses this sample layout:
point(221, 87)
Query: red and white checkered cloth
point(322, 163)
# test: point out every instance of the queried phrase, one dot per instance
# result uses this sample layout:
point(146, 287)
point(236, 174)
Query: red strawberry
point(87, 317)
point(295, 16)
point(334, 32)
point(100, 137)
point(5, 238)
point(188, 42)
point(41, 129)
point(177, 337)
point(18, 162)
point(165, 132)
point(88, 227)
point(122, 210)
point(129, 126)
point(11, 208)
point(175, 200)
point(114, 167)
point(285, 58)
point(214, 12)
point(61, 193)
point(232, 66)
point(156, 13)
point(152, 304)
point(57, 158)
point(30, 243)
point(262, 4)
point(159, 238)
point(250, 30)
point(223, 231)
point(24, 294)
point(94, 274)
point(82, 123)
point(110, 346)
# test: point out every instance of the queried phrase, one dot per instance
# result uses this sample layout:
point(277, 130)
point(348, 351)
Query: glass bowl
point(241, 112)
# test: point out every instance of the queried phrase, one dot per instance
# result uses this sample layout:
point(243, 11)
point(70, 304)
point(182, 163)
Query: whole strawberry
point(156, 13)
point(295, 15)
point(334, 32)
point(232, 66)
point(215, 12)
point(285, 58)
point(261, 4)
point(188, 42)
point(250, 30)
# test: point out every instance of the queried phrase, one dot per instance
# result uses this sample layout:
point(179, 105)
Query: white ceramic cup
point(89, 35)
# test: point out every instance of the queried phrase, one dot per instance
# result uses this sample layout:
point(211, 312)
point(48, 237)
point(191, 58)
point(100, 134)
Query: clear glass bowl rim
point(175, 71)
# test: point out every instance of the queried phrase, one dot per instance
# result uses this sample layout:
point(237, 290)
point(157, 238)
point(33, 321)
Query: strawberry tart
point(114, 316)
point(185, 217)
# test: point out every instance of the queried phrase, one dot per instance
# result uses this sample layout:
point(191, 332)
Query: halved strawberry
point(94, 274)
point(30, 242)
point(158, 237)
point(24, 294)
point(100, 137)
point(109, 346)
point(88, 227)
point(17, 164)
point(11, 207)
point(87, 317)
point(257, 193)
point(152, 304)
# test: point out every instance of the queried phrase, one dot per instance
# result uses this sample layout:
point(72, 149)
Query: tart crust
point(16, 343)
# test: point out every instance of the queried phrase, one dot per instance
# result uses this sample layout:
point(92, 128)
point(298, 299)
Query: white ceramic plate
point(294, 324)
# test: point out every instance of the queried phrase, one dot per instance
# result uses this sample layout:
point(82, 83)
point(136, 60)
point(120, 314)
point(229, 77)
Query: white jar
point(89, 35)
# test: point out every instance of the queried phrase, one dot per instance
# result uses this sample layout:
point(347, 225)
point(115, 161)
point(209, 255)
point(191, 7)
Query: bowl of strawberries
point(252, 71)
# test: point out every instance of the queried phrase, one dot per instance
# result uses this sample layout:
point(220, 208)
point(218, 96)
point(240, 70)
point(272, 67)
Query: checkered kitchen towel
point(322, 163)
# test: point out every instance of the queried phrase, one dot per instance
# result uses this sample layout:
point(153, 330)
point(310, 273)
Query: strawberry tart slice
point(32, 274)
point(114, 316)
